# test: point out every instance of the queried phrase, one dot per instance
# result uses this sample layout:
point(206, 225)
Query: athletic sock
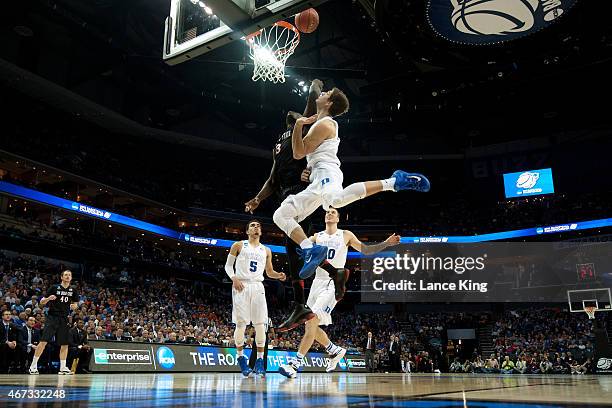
point(298, 361)
point(63, 365)
point(260, 354)
point(388, 184)
point(34, 365)
point(306, 244)
point(332, 348)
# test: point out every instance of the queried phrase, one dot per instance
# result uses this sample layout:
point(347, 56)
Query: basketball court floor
point(309, 390)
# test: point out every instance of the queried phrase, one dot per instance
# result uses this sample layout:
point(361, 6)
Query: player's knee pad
point(284, 218)
point(239, 334)
point(260, 335)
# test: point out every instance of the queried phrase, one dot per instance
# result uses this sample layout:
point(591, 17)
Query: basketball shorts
point(322, 299)
point(249, 305)
point(326, 181)
point(59, 327)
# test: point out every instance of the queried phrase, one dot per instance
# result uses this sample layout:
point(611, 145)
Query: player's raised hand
point(237, 284)
point(305, 176)
point(393, 240)
point(317, 83)
point(307, 120)
point(251, 205)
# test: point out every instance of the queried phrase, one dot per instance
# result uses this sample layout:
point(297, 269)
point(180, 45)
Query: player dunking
point(60, 299)
point(248, 294)
point(320, 147)
point(289, 177)
point(322, 298)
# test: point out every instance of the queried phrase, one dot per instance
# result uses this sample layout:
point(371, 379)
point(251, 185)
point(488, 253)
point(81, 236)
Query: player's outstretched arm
point(270, 269)
point(313, 139)
point(354, 242)
point(316, 87)
point(266, 191)
point(229, 266)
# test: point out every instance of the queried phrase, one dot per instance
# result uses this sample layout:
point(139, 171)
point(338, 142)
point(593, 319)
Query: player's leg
point(301, 312)
point(297, 208)
point(240, 317)
point(259, 313)
point(64, 370)
point(63, 340)
point(37, 353)
point(358, 191)
point(323, 305)
point(290, 370)
point(50, 330)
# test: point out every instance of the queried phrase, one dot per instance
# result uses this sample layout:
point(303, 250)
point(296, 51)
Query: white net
point(590, 311)
point(270, 48)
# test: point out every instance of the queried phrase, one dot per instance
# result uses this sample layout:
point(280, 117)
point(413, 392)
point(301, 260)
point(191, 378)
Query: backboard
point(195, 27)
point(599, 298)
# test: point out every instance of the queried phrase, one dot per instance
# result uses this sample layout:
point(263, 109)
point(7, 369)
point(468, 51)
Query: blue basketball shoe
point(313, 257)
point(410, 181)
point(244, 366)
point(259, 368)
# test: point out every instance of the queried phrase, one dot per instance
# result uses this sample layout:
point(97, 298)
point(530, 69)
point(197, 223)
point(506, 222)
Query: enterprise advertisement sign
point(112, 356)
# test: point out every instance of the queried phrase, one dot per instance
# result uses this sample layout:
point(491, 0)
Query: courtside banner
point(115, 356)
point(485, 272)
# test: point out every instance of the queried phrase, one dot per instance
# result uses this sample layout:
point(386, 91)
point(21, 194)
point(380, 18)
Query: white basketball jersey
point(336, 251)
point(327, 152)
point(251, 262)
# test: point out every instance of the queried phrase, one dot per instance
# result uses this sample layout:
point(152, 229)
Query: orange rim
point(280, 23)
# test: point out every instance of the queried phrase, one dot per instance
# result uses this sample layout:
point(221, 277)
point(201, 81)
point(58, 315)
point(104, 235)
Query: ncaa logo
point(492, 21)
point(604, 363)
point(527, 179)
point(540, 230)
point(165, 358)
point(75, 206)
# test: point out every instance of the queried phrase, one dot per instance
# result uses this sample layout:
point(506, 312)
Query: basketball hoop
point(590, 310)
point(270, 48)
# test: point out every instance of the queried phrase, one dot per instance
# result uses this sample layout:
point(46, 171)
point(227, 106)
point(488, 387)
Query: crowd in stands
point(185, 183)
point(120, 305)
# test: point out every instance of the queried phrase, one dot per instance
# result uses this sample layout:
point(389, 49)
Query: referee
point(60, 299)
point(289, 176)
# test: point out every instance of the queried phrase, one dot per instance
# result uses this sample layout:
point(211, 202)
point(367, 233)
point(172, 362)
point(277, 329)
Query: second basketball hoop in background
point(307, 21)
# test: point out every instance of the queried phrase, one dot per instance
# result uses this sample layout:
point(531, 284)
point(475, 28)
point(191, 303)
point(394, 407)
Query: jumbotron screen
point(529, 183)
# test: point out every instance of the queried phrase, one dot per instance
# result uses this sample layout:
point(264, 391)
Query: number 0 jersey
point(251, 262)
point(337, 250)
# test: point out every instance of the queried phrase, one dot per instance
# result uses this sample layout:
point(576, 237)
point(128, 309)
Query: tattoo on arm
point(372, 249)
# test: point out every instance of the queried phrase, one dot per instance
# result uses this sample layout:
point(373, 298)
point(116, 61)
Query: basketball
point(307, 21)
point(494, 17)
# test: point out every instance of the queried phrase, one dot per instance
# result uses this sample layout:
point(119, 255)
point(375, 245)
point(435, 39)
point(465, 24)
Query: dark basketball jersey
point(64, 297)
point(288, 170)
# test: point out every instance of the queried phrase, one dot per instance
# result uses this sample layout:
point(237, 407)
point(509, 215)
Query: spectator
point(8, 347)
point(507, 366)
point(29, 337)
